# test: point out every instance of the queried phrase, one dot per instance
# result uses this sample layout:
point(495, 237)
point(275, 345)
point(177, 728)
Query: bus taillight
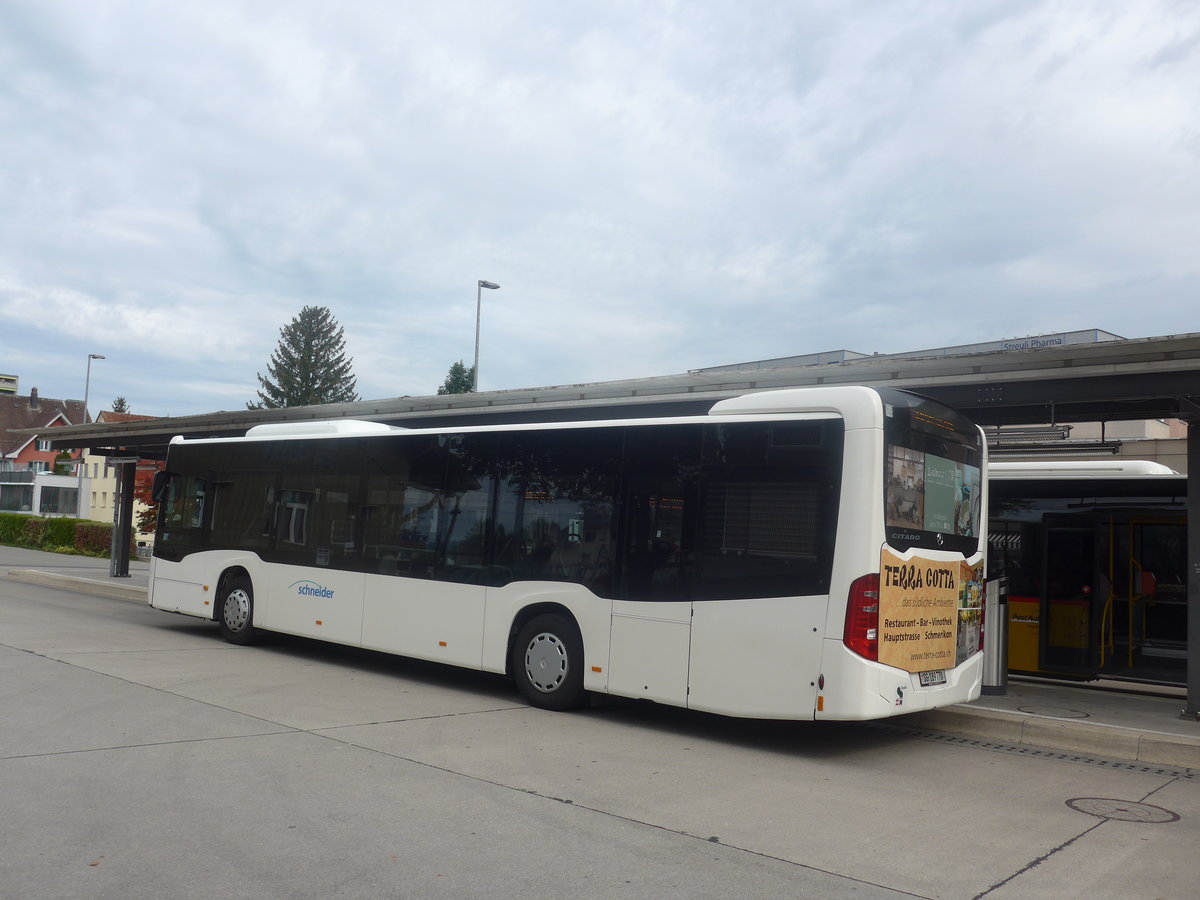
point(862, 617)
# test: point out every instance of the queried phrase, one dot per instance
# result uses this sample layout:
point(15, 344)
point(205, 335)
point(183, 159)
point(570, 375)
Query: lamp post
point(87, 384)
point(491, 286)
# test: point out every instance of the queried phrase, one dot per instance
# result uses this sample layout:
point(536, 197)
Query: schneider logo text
point(311, 589)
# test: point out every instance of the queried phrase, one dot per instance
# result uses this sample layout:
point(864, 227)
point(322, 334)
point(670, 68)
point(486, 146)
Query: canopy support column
point(122, 533)
point(1192, 709)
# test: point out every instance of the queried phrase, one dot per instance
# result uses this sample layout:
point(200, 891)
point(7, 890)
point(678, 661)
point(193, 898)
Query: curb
point(1114, 741)
point(80, 585)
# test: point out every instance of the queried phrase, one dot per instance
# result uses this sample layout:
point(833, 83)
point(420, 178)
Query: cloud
point(656, 186)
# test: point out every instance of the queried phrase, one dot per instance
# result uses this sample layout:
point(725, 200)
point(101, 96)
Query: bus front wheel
point(235, 612)
point(547, 663)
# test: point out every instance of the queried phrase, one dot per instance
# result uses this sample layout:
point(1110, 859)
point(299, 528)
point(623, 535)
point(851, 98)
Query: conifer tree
point(309, 366)
point(460, 380)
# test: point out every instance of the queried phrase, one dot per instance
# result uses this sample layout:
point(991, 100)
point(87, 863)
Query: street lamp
point(491, 286)
point(87, 384)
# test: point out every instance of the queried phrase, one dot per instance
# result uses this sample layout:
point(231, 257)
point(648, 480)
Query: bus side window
point(770, 496)
point(181, 517)
point(660, 506)
point(161, 486)
point(239, 502)
point(555, 502)
point(404, 500)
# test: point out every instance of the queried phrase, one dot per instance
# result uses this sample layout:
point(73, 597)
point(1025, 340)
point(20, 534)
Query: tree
point(120, 405)
point(309, 365)
point(461, 380)
point(146, 511)
point(62, 463)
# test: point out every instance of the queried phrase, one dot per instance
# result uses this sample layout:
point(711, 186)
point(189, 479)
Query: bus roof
point(321, 427)
point(1079, 469)
point(860, 406)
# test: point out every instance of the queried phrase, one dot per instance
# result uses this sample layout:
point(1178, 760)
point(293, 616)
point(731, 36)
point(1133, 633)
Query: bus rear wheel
point(235, 612)
point(547, 663)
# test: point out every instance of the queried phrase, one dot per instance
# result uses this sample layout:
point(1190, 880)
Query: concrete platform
point(86, 574)
point(1098, 718)
point(1110, 719)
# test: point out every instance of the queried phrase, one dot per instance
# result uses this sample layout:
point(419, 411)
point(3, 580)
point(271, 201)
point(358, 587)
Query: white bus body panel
point(858, 406)
point(757, 658)
point(856, 689)
point(190, 585)
point(860, 514)
point(505, 604)
point(323, 603)
point(436, 620)
point(649, 651)
point(179, 587)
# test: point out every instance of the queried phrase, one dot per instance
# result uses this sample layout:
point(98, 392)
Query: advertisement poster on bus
point(930, 612)
point(970, 612)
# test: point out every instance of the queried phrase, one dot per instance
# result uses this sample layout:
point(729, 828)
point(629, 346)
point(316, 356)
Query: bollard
point(995, 636)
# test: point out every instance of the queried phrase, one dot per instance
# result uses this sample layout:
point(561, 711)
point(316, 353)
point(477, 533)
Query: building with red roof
point(28, 482)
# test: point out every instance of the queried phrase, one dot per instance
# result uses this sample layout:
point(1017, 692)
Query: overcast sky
point(656, 186)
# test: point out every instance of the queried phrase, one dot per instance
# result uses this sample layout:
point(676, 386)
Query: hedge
point(59, 535)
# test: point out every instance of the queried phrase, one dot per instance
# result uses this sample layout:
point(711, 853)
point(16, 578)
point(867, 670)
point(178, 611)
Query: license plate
point(929, 679)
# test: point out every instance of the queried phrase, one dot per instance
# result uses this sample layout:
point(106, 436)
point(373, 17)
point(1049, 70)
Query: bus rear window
point(933, 475)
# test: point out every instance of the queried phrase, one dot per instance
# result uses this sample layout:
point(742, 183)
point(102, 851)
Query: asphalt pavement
point(1109, 719)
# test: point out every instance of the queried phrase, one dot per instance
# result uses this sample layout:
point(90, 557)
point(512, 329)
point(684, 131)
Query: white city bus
point(794, 554)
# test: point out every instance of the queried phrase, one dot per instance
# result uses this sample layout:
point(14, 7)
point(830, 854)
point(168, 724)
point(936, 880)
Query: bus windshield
point(933, 475)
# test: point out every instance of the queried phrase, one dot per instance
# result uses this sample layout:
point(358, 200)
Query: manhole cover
point(1055, 712)
point(1122, 810)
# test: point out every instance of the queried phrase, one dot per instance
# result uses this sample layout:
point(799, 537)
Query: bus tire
point(547, 663)
point(235, 612)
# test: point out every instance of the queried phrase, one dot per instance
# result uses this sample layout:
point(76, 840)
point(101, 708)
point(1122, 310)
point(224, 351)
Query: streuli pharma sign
point(1035, 343)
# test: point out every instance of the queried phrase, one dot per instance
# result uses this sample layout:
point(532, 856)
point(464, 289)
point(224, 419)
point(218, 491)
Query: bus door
point(651, 618)
point(1070, 605)
point(1146, 632)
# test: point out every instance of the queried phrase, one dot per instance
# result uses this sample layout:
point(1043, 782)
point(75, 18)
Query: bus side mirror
point(160, 486)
